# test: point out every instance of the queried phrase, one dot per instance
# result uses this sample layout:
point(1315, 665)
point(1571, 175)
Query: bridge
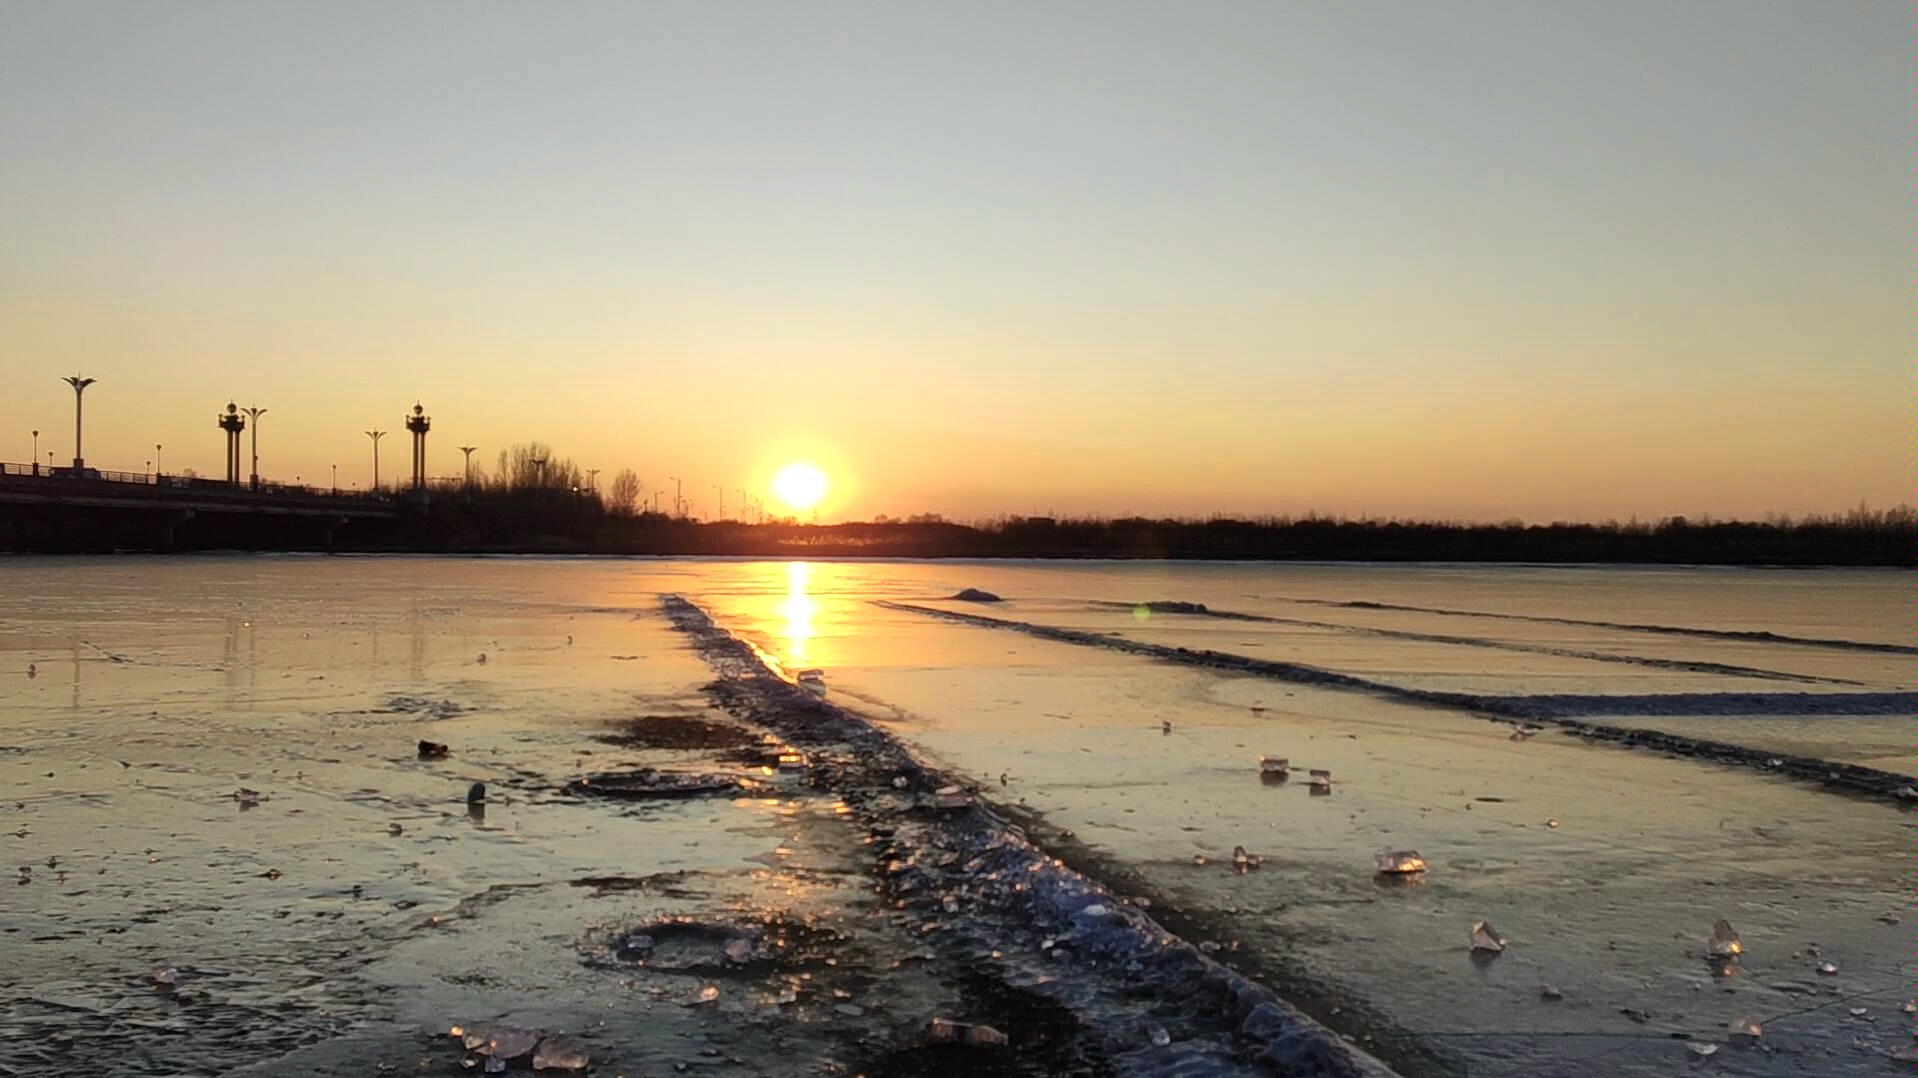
point(43, 507)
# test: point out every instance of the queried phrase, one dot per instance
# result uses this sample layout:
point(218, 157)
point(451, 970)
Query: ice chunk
point(247, 798)
point(1551, 992)
point(1745, 1031)
point(949, 798)
point(792, 761)
point(1157, 1034)
point(165, 974)
point(1400, 862)
point(1486, 939)
point(560, 1053)
point(1320, 778)
point(1724, 942)
point(947, 1031)
point(494, 1064)
point(708, 994)
point(1702, 1048)
point(1829, 969)
point(738, 950)
point(508, 1042)
point(1244, 862)
point(1274, 765)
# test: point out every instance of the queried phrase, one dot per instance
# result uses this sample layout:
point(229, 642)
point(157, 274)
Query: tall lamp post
point(418, 424)
point(254, 414)
point(376, 435)
point(156, 462)
point(79, 385)
point(336, 479)
point(35, 459)
point(231, 422)
point(468, 450)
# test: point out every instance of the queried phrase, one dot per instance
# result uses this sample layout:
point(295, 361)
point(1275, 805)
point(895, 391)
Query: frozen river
point(159, 686)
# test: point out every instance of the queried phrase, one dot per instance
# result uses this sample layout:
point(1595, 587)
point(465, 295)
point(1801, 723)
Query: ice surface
point(245, 667)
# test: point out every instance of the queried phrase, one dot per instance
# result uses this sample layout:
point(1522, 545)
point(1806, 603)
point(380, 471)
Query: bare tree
point(521, 468)
point(622, 497)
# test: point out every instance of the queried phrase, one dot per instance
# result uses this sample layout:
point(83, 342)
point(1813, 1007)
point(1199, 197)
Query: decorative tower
point(232, 423)
point(419, 423)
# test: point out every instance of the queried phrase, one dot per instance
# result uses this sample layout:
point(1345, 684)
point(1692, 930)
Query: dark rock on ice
point(975, 595)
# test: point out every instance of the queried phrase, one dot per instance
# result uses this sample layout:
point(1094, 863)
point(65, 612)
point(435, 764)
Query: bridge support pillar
point(168, 522)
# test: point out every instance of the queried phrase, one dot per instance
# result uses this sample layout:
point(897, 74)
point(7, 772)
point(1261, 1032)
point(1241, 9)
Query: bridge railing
point(69, 474)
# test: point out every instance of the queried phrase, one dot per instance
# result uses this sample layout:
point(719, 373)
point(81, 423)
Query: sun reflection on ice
point(798, 609)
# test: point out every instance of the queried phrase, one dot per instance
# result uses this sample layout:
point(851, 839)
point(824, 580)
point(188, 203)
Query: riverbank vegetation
point(564, 522)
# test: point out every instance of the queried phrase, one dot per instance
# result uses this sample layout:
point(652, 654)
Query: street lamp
point(254, 414)
point(35, 459)
point(376, 435)
point(336, 479)
point(79, 385)
point(156, 462)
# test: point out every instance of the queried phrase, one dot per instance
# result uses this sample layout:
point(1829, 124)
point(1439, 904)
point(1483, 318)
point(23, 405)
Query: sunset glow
point(958, 275)
point(800, 485)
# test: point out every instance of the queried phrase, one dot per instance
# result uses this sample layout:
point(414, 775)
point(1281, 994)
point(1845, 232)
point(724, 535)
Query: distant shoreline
point(1885, 539)
point(784, 554)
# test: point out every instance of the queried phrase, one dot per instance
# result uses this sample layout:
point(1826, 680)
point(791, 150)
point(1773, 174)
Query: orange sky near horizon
point(1174, 259)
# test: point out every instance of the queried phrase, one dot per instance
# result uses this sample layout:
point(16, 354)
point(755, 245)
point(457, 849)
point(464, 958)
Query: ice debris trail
point(1687, 665)
point(1759, 636)
point(1560, 711)
point(1026, 919)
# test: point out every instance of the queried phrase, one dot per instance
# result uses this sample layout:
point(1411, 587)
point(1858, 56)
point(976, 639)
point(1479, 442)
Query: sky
point(1473, 261)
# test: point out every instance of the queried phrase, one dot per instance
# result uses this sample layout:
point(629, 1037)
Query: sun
point(800, 485)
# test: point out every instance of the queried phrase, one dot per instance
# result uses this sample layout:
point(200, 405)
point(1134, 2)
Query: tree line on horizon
point(556, 505)
point(524, 518)
point(531, 476)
